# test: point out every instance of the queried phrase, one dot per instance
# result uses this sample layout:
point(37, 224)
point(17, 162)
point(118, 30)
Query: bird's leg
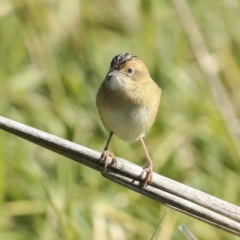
point(148, 169)
point(106, 153)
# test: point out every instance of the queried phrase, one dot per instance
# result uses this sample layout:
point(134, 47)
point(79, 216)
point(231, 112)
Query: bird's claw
point(146, 175)
point(104, 158)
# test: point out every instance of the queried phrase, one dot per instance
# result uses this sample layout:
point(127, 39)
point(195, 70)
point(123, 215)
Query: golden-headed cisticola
point(128, 101)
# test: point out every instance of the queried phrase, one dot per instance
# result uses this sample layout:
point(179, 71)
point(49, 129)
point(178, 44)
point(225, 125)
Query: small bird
point(128, 101)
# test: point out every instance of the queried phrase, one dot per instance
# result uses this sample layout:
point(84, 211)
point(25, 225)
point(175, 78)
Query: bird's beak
point(112, 73)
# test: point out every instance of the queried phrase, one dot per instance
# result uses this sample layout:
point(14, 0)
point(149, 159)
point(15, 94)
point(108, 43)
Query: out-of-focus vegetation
point(54, 55)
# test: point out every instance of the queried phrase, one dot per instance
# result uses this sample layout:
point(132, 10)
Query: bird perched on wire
point(128, 101)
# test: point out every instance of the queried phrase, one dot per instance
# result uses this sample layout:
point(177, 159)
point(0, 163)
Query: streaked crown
point(121, 59)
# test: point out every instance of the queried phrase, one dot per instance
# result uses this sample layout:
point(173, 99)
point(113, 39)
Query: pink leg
point(106, 153)
point(148, 169)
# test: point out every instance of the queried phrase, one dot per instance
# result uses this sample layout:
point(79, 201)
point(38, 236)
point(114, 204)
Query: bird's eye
point(130, 71)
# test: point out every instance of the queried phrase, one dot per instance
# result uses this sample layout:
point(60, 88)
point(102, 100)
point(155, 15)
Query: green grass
point(54, 56)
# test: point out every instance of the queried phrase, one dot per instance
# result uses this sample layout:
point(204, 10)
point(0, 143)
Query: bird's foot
point(146, 175)
point(104, 158)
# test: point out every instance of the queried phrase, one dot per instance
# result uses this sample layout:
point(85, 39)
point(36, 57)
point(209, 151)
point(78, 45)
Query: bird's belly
point(129, 124)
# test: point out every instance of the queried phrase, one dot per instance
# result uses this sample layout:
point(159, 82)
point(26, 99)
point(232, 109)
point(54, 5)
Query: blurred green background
point(54, 56)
